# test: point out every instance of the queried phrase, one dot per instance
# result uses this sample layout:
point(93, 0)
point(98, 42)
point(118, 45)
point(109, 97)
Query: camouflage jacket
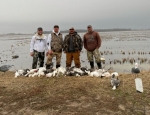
point(56, 42)
point(77, 42)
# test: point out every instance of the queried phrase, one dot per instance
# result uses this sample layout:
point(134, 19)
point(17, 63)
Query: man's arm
point(64, 44)
point(49, 44)
point(99, 41)
point(80, 43)
point(84, 42)
point(32, 46)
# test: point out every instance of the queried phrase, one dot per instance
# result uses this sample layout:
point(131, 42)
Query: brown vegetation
point(73, 96)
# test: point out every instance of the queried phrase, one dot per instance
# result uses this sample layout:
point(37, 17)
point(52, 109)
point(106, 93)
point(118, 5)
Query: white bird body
point(31, 72)
point(41, 69)
point(49, 74)
point(61, 70)
point(17, 74)
point(94, 74)
point(77, 75)
point(78, 70)
point(88, 72)
point(20, 72)
point(30, 75)
point(35, 74)
point(41, 74)
point(55, 72)
point(106, 74)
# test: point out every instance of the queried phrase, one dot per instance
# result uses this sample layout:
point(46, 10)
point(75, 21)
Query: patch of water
point(115, 46)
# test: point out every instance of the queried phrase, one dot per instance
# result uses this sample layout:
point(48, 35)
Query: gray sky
point(24, 16)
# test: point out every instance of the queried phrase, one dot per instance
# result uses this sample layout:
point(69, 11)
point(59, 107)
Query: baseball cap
point(40, 28)
point(89, 26)
point(56, 26)
point(71, 28)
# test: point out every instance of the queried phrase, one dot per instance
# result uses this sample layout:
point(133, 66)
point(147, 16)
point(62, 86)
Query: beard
point(40, 33)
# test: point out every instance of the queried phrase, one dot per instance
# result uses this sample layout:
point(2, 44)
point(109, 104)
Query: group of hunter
point(71, 45)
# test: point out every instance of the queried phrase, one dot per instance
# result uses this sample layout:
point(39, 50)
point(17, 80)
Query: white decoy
point(135, 70)
point(115, 73)
point(114, 81)
point(5, 68)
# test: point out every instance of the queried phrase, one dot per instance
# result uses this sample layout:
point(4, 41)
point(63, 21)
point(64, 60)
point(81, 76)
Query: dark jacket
point(77, 42)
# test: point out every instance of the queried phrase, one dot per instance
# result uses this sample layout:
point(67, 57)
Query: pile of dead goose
point(72, 71)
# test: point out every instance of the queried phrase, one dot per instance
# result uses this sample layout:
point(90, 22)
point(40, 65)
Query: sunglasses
point(71, 29)
point(88, 27)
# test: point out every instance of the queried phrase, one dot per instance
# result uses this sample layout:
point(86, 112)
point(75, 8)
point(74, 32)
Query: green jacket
point(77, 42)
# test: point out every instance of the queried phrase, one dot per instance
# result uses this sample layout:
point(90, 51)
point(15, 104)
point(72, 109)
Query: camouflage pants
point(40, 56)
point(94, 53)
point(58, 58)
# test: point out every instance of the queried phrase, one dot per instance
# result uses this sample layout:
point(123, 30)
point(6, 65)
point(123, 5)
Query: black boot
point(47, 66)
point(92, 65)
point(99, 65)
point(57, 66)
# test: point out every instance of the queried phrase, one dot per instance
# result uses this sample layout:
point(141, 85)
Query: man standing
point(72, 47)
point(38, 48)
point(92, 43)
point(55, 45)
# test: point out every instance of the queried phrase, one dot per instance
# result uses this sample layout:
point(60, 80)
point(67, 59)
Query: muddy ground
point(73, 96)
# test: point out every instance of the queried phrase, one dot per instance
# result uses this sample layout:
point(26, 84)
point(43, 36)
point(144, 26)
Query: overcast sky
point(24, 16)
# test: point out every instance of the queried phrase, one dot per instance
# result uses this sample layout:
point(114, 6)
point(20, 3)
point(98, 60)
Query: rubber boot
point(57, 66)
point(92, 65)
point(99, 65)
point(47, 66)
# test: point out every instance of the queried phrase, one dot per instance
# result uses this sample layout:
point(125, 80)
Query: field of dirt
point(73, 96)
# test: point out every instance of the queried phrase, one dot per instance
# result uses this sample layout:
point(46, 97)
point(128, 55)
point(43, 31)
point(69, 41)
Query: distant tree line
point(99, 30)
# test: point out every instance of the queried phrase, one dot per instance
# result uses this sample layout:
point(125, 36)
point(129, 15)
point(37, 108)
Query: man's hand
point(50, 52)
point(47, 53)
point(31, 54)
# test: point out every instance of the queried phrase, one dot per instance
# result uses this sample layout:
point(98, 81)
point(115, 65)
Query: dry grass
point(73, 96)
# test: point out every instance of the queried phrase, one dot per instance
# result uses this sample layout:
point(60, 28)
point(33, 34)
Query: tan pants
point(73, 56)
point(58, 57)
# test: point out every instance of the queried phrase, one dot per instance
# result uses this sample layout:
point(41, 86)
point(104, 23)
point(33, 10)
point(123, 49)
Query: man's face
point(71, 30)
point(89, 29)
point(56, 29)
point(40, 32)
